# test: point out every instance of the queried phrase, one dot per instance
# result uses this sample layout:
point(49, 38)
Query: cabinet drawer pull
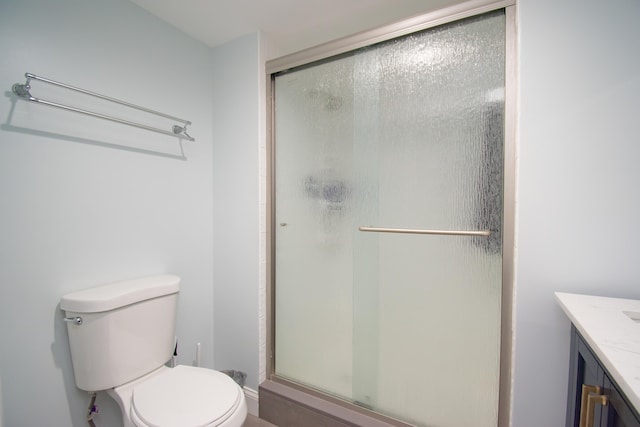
point(591, 396)
point(592, 401)
point(586, 389)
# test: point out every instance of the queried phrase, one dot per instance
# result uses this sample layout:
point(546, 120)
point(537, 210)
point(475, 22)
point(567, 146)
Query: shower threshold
point(287, 404)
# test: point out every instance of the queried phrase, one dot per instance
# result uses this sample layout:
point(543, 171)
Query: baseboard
point(252, 400)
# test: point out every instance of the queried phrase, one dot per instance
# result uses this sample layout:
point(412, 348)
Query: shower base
point(287, 404)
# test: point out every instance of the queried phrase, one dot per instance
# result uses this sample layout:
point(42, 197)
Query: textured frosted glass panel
point(314, 219)
point(440, 100)
point(403, 134)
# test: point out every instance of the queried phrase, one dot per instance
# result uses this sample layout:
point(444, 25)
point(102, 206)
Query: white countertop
point(612, 335)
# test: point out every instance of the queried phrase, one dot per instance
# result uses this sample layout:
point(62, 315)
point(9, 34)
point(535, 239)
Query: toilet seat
point(185, 396)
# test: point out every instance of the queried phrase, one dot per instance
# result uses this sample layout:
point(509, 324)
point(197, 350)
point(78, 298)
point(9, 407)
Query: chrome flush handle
point(77, 320)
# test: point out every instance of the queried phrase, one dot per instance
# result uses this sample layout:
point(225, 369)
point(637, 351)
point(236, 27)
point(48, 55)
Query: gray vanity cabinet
point(619, 413)
point(593, 396)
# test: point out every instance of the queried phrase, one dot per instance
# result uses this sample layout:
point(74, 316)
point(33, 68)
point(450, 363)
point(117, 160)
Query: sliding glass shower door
point(388, 169)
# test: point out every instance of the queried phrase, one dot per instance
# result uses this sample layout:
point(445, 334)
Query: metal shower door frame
point(367, 38)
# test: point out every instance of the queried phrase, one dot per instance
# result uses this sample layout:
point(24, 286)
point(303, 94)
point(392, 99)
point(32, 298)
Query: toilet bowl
point(182, 396)
point(121, 336)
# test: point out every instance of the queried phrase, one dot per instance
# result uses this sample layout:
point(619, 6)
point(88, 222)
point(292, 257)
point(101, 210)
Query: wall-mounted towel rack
point(22, 90)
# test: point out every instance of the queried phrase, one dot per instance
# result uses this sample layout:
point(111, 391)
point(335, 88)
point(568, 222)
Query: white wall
point(236, 130)
point(84, 202)
point(579, 202)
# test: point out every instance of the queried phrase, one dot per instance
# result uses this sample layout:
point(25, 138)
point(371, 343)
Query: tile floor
point(256, 422)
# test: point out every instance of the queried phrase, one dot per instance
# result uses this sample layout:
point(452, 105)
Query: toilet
point(121, 336)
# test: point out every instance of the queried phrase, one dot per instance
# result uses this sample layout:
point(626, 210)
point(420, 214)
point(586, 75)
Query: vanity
point(604, 371)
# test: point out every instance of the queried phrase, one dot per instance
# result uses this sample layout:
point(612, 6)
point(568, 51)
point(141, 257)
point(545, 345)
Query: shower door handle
point(419, 231)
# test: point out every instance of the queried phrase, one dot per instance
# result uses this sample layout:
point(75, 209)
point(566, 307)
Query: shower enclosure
point(387, 223)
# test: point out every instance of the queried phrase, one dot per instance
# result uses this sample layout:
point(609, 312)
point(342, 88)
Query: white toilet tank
point(126, 329)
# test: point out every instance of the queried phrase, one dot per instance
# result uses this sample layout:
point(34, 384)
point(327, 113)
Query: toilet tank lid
point(120, 294)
